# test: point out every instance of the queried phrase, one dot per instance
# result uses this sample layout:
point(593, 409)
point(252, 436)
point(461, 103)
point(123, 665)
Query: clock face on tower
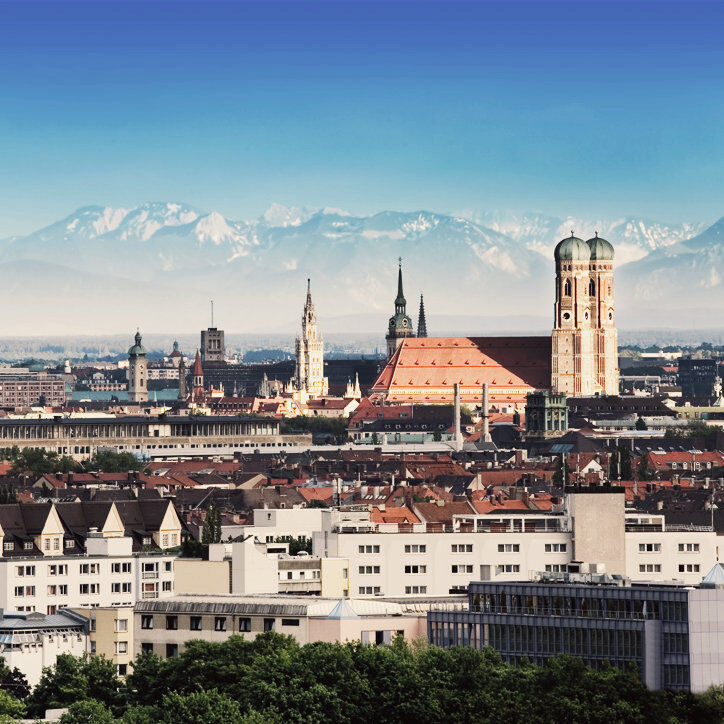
point(392, 322)
point(404, 322)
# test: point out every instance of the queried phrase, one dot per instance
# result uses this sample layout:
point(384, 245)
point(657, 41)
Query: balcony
point(149, 575)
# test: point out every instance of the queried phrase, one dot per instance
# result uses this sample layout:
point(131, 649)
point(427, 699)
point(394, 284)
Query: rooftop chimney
point(485, 411)
point(458, 440)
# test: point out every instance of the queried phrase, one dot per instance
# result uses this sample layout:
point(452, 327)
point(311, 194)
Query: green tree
point(300, 543)
point(613, 463)
point(209, 707)
point(211, 529)
point(108, 461)
point(10, 708)
point(13, 681)
point(72, 679)
point(625, 458)
point(644, 469)
point(641, 424)
point(38, 461)
point(317, 504)
point(88, 711)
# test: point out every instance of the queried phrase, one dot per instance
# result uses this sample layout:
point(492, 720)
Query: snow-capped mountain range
point(158, 264)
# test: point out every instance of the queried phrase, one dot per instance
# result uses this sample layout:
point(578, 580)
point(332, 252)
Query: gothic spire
point(400, 301)
point(421, 323)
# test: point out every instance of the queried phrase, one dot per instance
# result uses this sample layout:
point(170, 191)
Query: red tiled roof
point(490, 506)
point(393, 515)
point(430, 366)
point(320, 493)
point(434, 513)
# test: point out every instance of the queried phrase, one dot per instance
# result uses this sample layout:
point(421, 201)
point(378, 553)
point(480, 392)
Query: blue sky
point(597, 109)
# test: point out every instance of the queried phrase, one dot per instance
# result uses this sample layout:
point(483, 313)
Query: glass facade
point(647, 626)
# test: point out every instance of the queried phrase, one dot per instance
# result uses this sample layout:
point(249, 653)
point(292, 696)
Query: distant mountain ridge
point(150, 265)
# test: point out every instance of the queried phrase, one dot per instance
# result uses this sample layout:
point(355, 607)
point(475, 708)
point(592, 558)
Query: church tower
point(602, 313)
point(137, 372)
point(198, 378)
point(400, 325)
point(309, 348)
point(585, 343)
point(421, 321)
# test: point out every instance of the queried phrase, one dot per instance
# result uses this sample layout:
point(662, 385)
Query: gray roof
point(19, 620)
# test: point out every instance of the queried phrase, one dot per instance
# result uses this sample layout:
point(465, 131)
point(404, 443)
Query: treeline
point(273, 679)
point(38, 461)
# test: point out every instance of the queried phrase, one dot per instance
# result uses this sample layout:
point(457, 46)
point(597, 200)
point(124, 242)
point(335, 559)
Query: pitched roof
point(434, 513)
point(512, 366)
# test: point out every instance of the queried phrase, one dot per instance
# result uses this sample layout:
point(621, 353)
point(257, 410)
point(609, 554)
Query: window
point(168, 565)
point(290, 622)
point(171, 651)
point(52, 590)
point(69, 543)
point(56, 544)
point(649, 547)
point(555, 547)
point(367, 570)
point(688, 547)
point(146, 648)
point(147, 622)
point(462, 569)
point(416, 548)
point(88, 569)
point(462, 547)
point(166, 585)
point(120, 587)
point(121, 625)
point(415, 589)
point(688, 568)
point(220, 623)
point(46, 544)
point(121, 568)
point(649, 568)
point(171, 623)
point(164, 540)
point(28, 545)
point(60, 569)
point(195, 623)
point(415, 569)
point(369, 590)
point(509, 547)
point(268, 624)
point(25, 570)
point(121, 647)
point(63, 589)
point(556, 567)
point(244, 624)
point(369, 549)
point(507, 568)
point(19, 590)
point(8, 546)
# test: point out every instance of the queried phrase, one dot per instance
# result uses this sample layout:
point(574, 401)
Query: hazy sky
point(584, 108)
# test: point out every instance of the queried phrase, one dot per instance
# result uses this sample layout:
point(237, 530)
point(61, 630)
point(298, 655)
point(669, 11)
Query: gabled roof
point(435, 364)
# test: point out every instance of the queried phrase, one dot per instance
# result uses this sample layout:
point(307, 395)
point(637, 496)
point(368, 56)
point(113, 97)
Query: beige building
point(164, 627)
point(585, 341)
point(111, 634)
point(247, 567)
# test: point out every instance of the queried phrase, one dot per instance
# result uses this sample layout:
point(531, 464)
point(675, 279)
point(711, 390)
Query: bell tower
point(137, 371)
point(572, 363)
point(400, 325)
point(602, 314)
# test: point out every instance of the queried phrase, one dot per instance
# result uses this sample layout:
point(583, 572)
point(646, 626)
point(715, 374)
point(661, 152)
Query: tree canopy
point(272, 679)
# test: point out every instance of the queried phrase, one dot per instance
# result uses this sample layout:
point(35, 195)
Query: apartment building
point(110, 634)
point(53, 558)
point(26, 388)
point(164, 627)
point(412, 559)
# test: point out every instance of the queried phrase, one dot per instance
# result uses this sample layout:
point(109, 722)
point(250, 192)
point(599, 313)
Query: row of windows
point(415, 589)
point(28, 545)
point(369, 590)
point(367, 570)
point(587, 607)
point(416, 548)
point(220, 623)
point(462, 547)
point(61, 569)
point(649, 568)
point(84, 589)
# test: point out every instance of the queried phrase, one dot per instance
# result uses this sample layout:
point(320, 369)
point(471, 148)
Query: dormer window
point(8, 546)
point(28, 545)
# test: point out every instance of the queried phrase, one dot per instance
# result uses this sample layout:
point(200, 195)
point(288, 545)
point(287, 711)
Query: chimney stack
point(458, 440)
point(486, 414)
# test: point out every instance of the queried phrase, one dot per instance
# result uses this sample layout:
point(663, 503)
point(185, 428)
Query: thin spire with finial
point(421, 322)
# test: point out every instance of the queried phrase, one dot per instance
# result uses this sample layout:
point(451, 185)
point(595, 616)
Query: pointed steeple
point(198, 369)
point(421, 322)
point(400, 301)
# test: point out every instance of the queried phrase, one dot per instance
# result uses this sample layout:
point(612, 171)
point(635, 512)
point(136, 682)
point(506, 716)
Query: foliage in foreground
point(273, 679)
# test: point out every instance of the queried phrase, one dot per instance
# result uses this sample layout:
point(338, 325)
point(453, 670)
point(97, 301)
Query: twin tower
point(585, 341)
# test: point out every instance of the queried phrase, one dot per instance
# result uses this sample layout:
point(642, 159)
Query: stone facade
point(137, 372)
point(585, 340)
point(309, 373)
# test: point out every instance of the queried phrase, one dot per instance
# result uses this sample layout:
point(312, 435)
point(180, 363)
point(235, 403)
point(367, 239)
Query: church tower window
point(592, 288)
point(567, 288)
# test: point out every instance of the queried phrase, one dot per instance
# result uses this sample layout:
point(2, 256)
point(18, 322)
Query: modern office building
point(674, 634)
point(697, 377)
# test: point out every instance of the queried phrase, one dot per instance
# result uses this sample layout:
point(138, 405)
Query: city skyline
point(566, 109)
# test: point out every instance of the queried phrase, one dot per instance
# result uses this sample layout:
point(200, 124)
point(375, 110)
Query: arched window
point(567, 288)
point(592, 288)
